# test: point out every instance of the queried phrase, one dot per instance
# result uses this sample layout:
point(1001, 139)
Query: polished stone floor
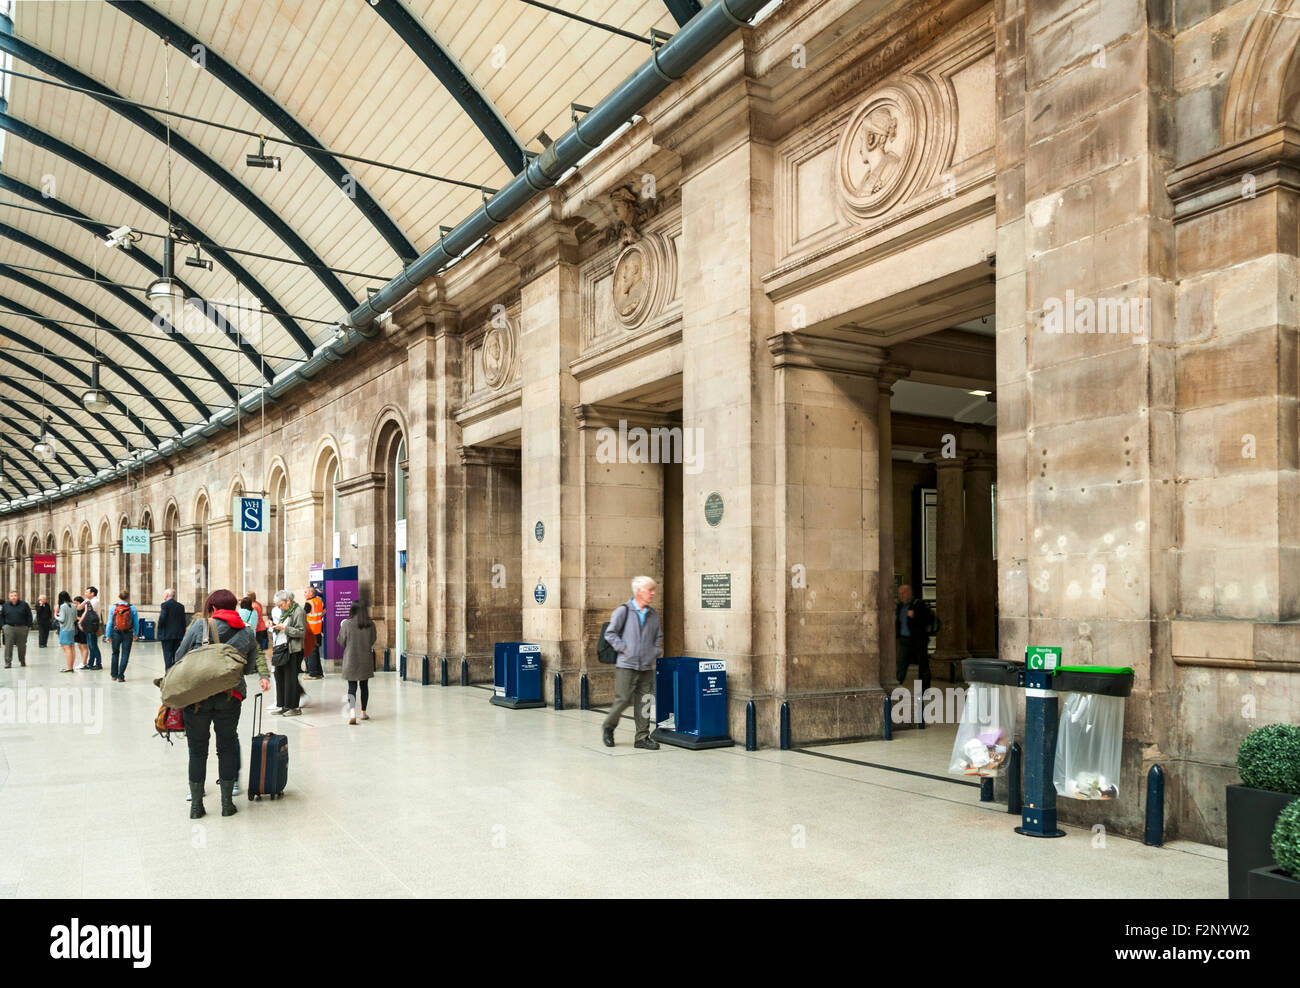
point(443, 794)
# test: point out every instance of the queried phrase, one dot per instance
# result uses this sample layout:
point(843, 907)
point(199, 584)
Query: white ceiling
point(346, 76)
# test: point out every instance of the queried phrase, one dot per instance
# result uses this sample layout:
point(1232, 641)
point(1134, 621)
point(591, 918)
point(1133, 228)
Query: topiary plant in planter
point(1268, 762)
point(1269, 758)
point(1286, 840)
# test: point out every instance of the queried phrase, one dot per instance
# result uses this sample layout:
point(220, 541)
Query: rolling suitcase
point(269, 770)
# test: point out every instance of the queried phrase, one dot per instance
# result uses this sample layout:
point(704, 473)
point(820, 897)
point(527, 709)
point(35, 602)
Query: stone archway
point(1264, 88)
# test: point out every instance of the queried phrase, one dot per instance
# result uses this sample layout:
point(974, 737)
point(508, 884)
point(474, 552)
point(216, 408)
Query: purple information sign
point(340, 592)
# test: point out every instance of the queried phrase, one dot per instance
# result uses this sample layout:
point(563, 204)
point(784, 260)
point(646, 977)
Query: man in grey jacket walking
point(638, 637)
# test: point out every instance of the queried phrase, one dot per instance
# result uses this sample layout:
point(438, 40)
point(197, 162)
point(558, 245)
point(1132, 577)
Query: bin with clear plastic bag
point(987, 728)
point(1089, 744)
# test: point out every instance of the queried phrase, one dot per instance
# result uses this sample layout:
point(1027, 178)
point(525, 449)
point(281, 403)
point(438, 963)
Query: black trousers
point(44, 630)
point(169, 651)
point(913, 650)
point(352, 692)
point(218, 713)
point(288, 691)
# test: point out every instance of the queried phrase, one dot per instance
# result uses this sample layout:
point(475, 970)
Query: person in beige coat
point(357, 638)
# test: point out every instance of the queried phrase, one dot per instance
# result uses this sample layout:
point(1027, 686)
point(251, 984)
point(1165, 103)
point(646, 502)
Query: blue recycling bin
point(693, 693)
point(517, 675)
point(147, 629)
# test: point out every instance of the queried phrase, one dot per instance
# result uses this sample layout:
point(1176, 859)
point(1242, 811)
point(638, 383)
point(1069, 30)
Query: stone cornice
point(818, 353)
point(538, 237)
point(306, 499)
point(483, 456)
point(188, 531)
point(608, 415)
point(1239, 171)
point(361, 482)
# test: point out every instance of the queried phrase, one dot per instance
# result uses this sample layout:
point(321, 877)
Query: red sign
point(43, 564)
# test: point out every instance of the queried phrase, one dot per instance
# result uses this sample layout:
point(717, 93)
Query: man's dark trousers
point(635, 687)
point(912, 648)
point(169, 651)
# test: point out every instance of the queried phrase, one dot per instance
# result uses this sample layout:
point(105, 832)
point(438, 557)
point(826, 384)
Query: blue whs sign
point(250, 514)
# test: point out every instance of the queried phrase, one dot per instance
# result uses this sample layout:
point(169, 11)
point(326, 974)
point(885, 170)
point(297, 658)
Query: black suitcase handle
point(257, 713)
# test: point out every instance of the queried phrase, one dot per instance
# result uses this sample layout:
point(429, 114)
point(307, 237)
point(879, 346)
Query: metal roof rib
point(260, 101)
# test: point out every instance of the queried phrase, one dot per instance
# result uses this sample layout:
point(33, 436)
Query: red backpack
point(122, 617)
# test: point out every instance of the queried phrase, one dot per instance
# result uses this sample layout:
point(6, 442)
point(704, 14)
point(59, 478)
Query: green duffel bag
point(204, 671)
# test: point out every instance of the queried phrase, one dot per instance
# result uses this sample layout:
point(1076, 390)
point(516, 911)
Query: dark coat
point(171, 621)
point(356, 643)
point(920, 625)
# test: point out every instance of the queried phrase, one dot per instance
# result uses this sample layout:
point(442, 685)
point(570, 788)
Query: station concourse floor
point(443, 794)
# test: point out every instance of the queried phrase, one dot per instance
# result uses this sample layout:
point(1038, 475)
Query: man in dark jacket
point(171, 627)
point(16, 616)
point(44, 619)
point(913, 621)
point(638, 638)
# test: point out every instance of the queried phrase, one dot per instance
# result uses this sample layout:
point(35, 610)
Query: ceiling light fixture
point(44, 448)
point(980, 394)
point(262, 159)
point(95, 400)
point(165, 295)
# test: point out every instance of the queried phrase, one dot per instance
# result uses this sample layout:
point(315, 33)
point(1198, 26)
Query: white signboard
point(135, 540)
point(401, 535)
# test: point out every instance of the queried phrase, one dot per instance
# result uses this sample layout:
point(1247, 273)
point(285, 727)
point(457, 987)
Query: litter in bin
point(985, 733)
point(1089, 743)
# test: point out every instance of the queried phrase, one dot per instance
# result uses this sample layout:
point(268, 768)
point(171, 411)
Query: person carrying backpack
point(219, 714)
point(123, 626)
point(91, 625)
point(637, 636)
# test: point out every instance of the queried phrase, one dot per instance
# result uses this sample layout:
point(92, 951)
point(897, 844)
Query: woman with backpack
point(357, 638)
point(124, 625)
point(219, 714)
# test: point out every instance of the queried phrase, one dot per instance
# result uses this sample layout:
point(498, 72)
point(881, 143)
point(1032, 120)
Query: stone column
point(488, 545)
point(360, 513)
point(551, 454)
point(890, 374)
point(223, 557)
point(950, 585)
point(188, 567)
point(827, 537)
point(302, 518)
point(622, 522)
point(981, 588)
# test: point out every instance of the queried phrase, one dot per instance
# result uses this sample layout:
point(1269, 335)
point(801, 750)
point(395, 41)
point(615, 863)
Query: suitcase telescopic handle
point(257, 713)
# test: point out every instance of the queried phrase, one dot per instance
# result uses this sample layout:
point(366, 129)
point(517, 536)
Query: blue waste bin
point(147, 630)
point(517, 675)
point(693, 692)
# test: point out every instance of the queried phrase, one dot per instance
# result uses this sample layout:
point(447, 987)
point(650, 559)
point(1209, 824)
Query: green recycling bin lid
point(1105, 680)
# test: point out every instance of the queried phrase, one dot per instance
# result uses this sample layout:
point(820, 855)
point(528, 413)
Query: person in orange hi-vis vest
point(315, 608)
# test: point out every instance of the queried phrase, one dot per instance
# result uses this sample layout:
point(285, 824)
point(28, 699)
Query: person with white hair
point(637, 636)
point(171, 627)
point(288, 625)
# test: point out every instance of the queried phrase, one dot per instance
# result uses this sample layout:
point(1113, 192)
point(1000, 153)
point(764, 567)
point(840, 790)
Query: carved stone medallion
point(881, 150)
point(632, 284)
point(498, 354)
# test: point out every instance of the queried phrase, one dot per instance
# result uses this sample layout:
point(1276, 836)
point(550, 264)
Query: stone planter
point(1270, 883)
point(1252, 814)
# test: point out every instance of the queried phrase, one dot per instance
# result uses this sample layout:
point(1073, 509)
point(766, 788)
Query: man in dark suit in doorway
point(913, 623)
point(171, 627)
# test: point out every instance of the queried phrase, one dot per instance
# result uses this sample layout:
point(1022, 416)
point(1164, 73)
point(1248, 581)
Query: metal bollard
point(751, 727)
point(1014, 802)
point(559, 692)
point(424, 671)
point(918, 708)
point(1155, 829)
point(986, 790)
point(464, 672)
point(785, 726)
point(374, 662)
point(583, 698)
point(442, 671)
point(889, 719)
point(388, 665)
point(401, 666)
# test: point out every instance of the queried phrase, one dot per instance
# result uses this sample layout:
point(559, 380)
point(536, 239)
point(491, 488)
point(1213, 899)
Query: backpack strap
point(623, 626)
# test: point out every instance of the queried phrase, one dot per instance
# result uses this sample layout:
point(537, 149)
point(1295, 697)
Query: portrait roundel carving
point(498, 354)
point(632, 284)
point(881, 150)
